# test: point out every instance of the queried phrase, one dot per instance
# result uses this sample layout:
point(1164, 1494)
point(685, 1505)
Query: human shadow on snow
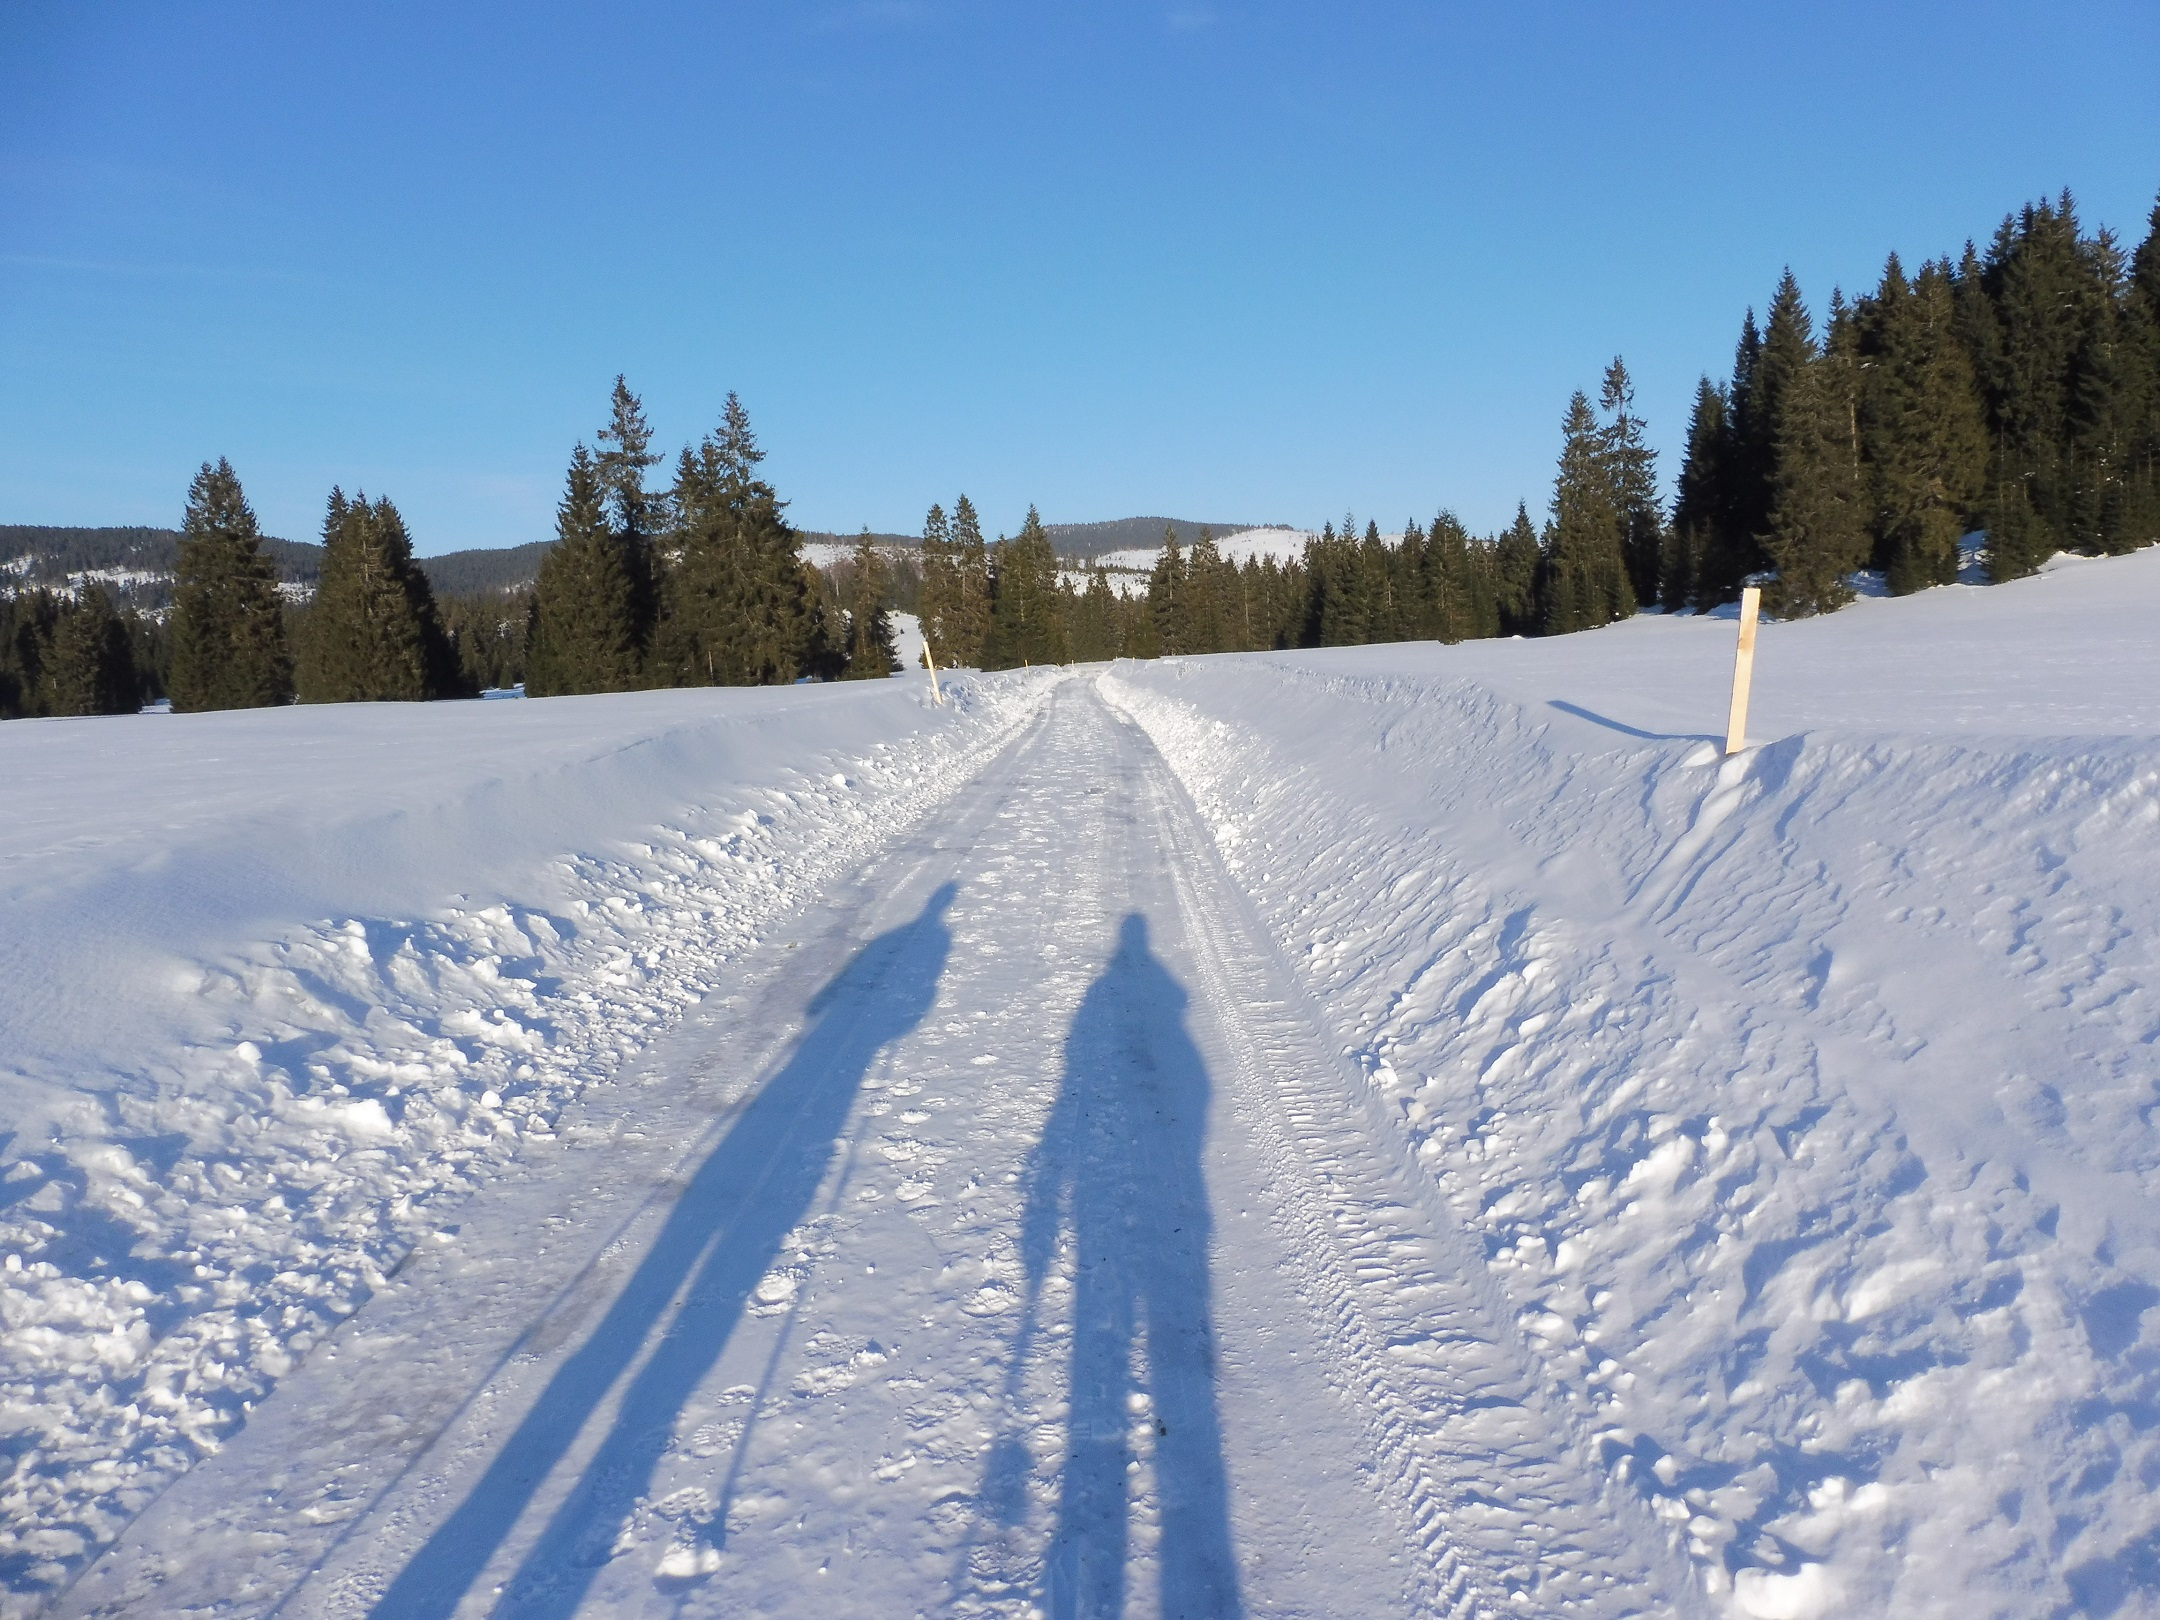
point(1118, 1172)
point(720, 1238)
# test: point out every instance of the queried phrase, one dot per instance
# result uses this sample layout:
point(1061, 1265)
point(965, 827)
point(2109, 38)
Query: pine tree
point(1517, 560)
point(2048, 289)
point(939, 602)
point(228, 619)
point(91, 666)
point(970, 627)
point(1096, 622)
point(625, 455)
point(1026, 626)
point(1166, 599)
point(1702, 511)
point(1923, 436)
point(1741, 508)
point(2138, 521)
point(1818, 522)
point(583, 633)
point(1584, 582)
point(1207, 590)
point(870, 655)
point(741, 606)
point(1634, 474)
point(371, 634)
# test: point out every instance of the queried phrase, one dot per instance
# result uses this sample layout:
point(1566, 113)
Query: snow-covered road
point(1006, 1240)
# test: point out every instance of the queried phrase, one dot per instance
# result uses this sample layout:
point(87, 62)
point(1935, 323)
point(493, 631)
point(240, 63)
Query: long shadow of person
point(1119, 1168)
point(723, 1235)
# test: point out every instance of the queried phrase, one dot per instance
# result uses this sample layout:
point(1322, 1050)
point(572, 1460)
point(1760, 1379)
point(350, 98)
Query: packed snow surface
point(1395, 1130)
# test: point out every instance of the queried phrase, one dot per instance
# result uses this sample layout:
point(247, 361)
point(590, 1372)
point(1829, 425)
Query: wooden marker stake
point(1743, 671)
point(937, 696)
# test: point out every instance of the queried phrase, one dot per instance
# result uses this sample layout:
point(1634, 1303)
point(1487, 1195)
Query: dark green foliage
point(1817, 534)
point(1097, 626)
point(940, 596)
point(1584, 582)
point(626, 453)
point(1027, 623)
point(955, 586)
point(870, 655)
point(1922, 435)
point(1166, 600)
point(583, 631)
point(27, 619)
point(228, 623)
point(1702, 513)
point(1632, 466)
point(1209, 582)
point(91, 666)
point(1518, 559)
point(486, 633)
point(741, 607)
point(371, 634)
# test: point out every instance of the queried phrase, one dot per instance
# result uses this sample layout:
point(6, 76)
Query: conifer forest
point(2010, 391)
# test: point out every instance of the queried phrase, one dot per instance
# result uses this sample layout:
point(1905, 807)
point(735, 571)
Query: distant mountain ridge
point(136, 563)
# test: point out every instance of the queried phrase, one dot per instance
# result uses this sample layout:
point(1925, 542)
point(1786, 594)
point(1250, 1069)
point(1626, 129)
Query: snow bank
point(1803, 1100)
point(278, 987)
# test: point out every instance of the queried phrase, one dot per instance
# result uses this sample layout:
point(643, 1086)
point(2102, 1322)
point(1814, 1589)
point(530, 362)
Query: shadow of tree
point(721, 1237)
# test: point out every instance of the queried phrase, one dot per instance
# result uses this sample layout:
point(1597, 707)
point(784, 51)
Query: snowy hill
point(1394, 1129)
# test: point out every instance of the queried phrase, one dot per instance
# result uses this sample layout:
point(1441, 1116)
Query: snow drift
point(277, 988)
point(1803, 1100)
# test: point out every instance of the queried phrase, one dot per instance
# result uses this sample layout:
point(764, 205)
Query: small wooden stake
point(1743, 671)
point(937, 696)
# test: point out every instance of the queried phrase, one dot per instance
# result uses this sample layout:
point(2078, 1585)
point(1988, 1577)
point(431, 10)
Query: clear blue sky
point(1209, 258)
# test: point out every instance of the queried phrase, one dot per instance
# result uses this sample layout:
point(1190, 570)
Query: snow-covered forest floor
point(1397, 1130)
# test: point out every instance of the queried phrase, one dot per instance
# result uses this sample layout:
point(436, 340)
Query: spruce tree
point(1702, 509)
point(1923, 435)
point(1097, 626)
point(91, 666)
point(970, 627)
point(583, 631)
point(1207, 591)
point(870, 655)
point(1166, 599)
point(371, 634)
point(938, 604)
point(1517, 559)
point(228, 618)
point(1584, 582)
point(625, 455)
point(1730, 551)
point(742, 607)
point(1634, 474)
point(2139, 520)
point(2048, 290)
point(1026, 624)
point(1818, 523)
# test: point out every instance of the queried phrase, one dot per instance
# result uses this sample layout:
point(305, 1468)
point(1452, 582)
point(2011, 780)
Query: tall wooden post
point(1743, 671)
point(936, 696)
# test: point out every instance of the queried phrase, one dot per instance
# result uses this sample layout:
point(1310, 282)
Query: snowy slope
point(1284, 545)
point(276, 988)
point(1803, 1101)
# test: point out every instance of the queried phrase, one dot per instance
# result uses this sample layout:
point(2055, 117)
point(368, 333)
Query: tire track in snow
point(1496, 1488)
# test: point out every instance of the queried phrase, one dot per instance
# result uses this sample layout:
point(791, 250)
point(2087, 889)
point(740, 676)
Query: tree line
point(2014, 391)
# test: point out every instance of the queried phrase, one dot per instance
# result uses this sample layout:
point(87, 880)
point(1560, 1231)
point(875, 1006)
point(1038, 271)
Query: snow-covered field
point(1284, 545)
point(1398, 1129)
